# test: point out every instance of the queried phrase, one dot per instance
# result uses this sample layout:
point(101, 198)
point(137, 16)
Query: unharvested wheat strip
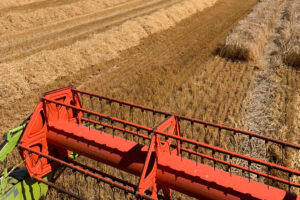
point(235, 96)
point(291, 54)
point(232, 92)
point(219, 81)
point(48, 65)
point(244, 85)
point(248, 39)
point(295, 157)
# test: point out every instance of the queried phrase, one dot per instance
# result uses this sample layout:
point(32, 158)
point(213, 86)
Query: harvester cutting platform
point(167, 152)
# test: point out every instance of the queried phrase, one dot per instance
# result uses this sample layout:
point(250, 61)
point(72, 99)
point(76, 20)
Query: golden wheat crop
point(284, 45)
point(291, 53)
point(200, 93)
point(172, 70)
point(269, 105)
point(150, 74)
point(248, 39)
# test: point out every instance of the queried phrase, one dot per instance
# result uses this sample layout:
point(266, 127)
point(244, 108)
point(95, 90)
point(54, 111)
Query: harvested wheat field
point(229, 62)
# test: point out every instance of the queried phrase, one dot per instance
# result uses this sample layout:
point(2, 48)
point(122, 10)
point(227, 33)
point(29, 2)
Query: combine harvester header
point(165, 156)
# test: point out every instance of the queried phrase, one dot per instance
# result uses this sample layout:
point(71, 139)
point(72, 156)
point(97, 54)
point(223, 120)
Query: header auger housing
point(163, 149)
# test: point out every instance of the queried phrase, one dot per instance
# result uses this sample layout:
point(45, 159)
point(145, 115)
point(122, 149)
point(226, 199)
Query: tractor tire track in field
point(10, 39)
point(36, 5)
point(65, 33)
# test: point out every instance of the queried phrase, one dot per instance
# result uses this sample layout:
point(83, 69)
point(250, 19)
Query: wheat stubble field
point(167, 54)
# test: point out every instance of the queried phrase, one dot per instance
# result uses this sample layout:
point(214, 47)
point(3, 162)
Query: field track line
point(59, 35)
point(36, 5)
point(46, 29)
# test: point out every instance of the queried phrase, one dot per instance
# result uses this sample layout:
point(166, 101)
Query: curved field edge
point(46, 66)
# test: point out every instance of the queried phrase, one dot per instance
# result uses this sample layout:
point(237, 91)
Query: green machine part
point(17, 184)
point(11, 139)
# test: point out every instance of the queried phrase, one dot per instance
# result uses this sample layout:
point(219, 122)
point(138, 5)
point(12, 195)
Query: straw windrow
point(291, 53)
point(248, 39)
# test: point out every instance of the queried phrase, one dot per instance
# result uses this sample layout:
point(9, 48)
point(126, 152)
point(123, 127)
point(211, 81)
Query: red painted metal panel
point(202, 181)
point(178, 173)
point(112, 150)
point(182, 139)
point(56, 127)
